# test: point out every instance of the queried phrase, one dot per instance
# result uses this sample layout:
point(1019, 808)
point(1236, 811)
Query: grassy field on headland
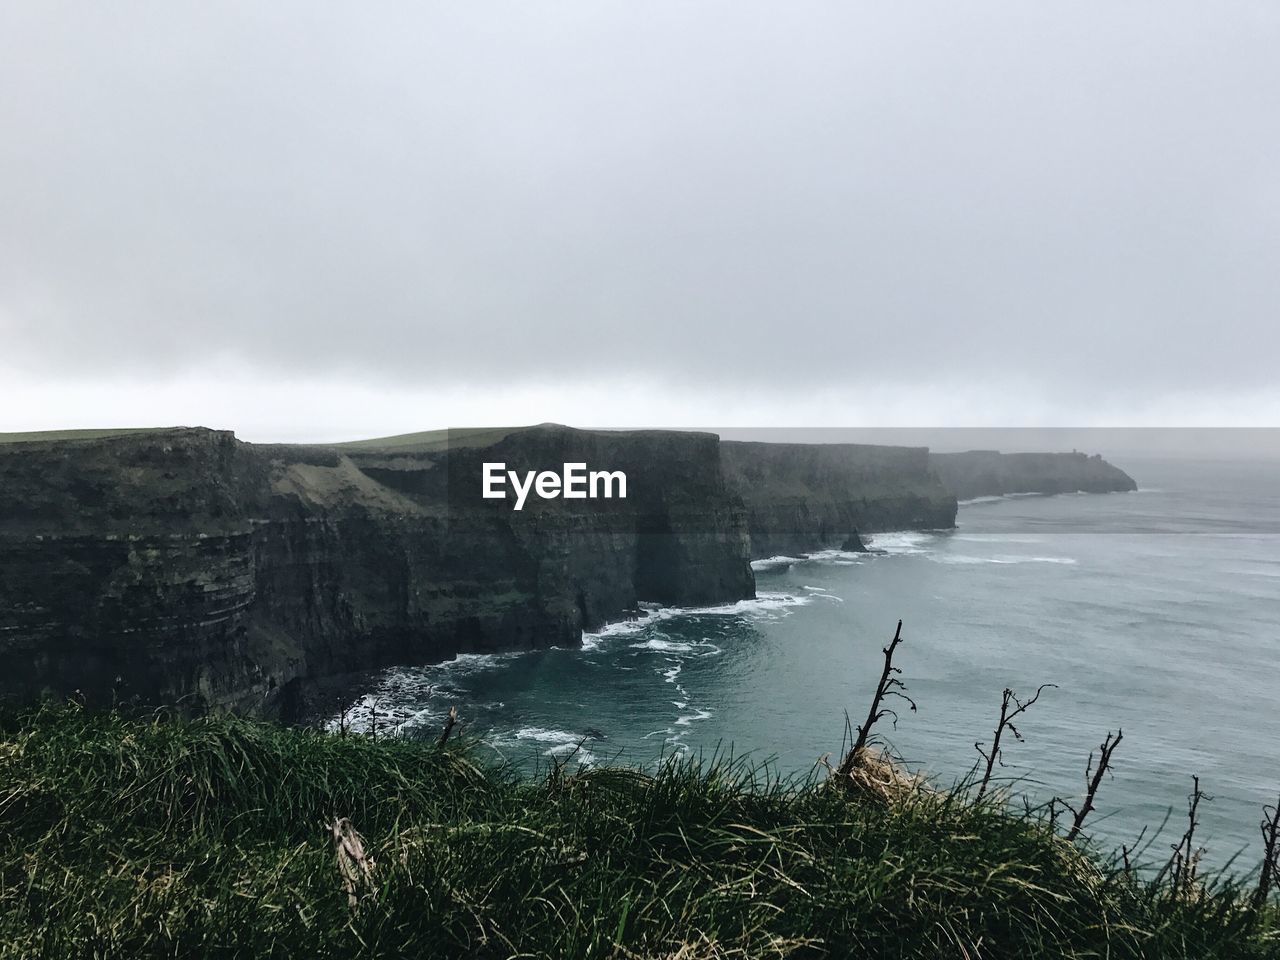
point(153, 836)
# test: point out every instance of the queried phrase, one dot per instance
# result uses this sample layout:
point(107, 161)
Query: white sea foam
point(544, 735)
point(995, 538)
point(466, 663)
point(623, 628)
point(581, 755)
point(774, 563)
point(698, 714)
point(960, 558)
point(767, 605)
point(822, 593)
point(837, 557)
point(905, 542)
point(702, 648)
point(408, 698)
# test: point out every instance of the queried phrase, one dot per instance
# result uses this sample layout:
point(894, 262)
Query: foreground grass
point(157, 837)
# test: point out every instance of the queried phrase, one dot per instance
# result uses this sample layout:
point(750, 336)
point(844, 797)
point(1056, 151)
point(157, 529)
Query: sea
point(1155, 613)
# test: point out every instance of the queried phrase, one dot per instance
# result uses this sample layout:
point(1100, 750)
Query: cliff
point(989, 473)
point(804, 497)
point(185, 565)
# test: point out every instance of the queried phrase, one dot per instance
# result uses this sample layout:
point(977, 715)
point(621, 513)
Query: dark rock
point(853, 544)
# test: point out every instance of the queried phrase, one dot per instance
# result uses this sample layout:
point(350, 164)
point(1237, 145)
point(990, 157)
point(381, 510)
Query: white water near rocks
point(1157, 611)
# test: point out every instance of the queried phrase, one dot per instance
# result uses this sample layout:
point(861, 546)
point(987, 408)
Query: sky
point(312, 221)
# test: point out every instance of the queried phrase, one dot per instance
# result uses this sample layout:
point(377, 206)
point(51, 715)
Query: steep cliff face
point(804, 497)
point(989, 473)
point(185, 565)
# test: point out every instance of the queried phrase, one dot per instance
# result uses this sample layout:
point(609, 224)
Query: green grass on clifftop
point(152, 837)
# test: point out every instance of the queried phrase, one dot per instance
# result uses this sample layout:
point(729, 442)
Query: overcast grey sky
point(310, 221)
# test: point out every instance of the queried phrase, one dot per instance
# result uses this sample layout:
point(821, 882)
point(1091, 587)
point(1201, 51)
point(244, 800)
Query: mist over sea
point(1157, 612)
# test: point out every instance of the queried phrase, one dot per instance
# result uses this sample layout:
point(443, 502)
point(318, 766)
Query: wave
point(995, 538)
point(581, 754)
point(467, 663)
point(838, 557)
point(960, 558)
point(774, 563)
point(676, 646)
point(562, 743)
point(1017, 495)
point(545, 735)
point(900, 542)
point(404, 699)
point(699, 714)
point(767, 605)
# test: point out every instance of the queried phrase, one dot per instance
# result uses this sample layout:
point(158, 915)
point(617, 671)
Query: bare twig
point(1104, 761)
point(889, 686)
point(1186, 855)
point(1271, 854)
point(342, 719)
point(354, 866)
point(555, 776)
point(1127, 851)
point(1007, 715)
point(449, 723)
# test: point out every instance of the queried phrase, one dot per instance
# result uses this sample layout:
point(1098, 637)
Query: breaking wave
point(900, 542)
point(960, 558)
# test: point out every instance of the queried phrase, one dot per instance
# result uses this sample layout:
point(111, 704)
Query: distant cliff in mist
point(989, 473)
